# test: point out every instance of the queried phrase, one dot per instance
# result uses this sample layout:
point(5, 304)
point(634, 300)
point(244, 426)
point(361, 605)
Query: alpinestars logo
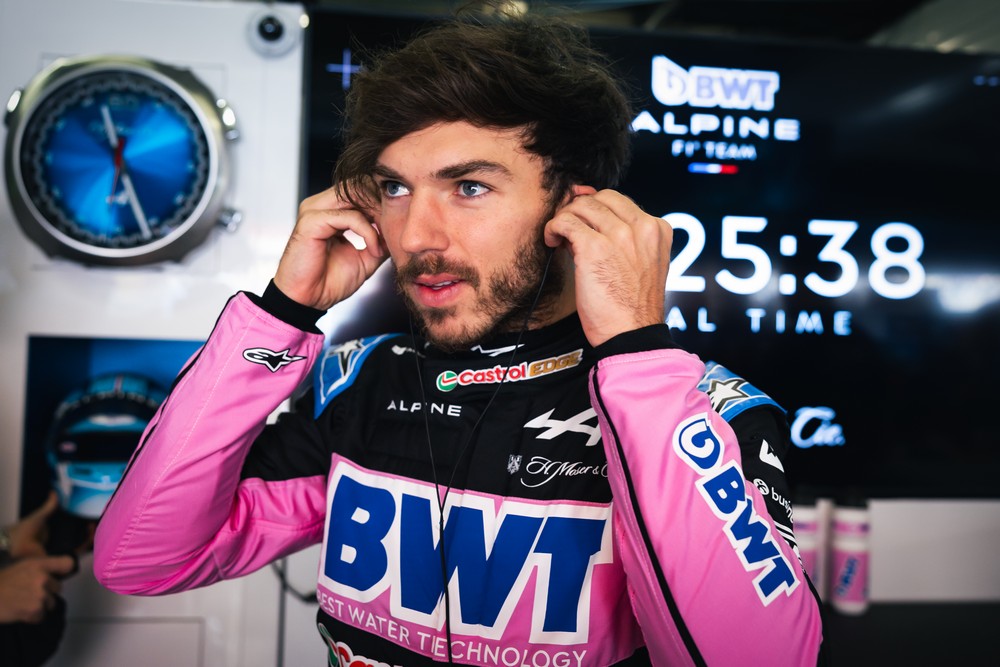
point(269, 358)
point(722, 392)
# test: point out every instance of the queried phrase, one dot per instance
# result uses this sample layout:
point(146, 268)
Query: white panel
point(303, 644)
point(151, 643)
point(938, 551)
point(235, 622)
point(934, 551)
point(56, 297)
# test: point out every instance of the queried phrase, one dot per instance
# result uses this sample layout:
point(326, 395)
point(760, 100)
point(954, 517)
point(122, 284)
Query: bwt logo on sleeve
point(724, 489)
point(709, 87)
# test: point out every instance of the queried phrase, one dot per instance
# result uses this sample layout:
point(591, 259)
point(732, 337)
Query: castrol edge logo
point(526, 370)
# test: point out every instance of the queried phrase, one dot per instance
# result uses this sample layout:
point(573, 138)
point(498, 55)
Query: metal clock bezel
point(214, 116)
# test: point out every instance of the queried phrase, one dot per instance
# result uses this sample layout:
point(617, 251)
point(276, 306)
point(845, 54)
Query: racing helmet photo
point(94, 432)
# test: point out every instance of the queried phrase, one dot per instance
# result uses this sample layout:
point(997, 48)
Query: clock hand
point(119, 145)
point(133, 201)
point(116, 146)
point(109, 127)
point(119, 151)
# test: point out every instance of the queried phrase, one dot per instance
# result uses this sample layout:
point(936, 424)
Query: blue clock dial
point(116, 160)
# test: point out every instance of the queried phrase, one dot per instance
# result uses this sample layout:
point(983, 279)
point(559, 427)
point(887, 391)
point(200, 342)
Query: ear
point(578, 190)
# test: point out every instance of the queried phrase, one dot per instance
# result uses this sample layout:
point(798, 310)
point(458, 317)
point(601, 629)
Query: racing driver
point(534, 474)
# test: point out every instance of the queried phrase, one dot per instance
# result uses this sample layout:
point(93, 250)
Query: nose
point(423, 228)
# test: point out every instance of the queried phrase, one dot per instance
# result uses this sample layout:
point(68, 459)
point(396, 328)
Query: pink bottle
point(849, 571)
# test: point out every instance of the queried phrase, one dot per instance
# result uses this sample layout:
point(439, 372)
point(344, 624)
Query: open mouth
point(433, 283)
point(438, 291)
point(439, 285)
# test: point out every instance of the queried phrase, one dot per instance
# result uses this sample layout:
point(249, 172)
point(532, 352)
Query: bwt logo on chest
point(382, 535)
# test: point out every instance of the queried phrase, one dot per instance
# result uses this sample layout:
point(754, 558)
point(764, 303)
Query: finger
point(330, 223)
point(586, 220)
point(325, 200)
point(616, 215)
point(586, 212)
point(621, 205)
point(59, 565)
point(371, 238)
point(50, 505)
point(46, 509)
point(334, 198)
point(372, 258)
point(607, 211)
point(52, 586)
point(570, 228)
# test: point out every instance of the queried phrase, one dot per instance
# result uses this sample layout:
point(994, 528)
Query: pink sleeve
point(711, 581)
point(182, 517)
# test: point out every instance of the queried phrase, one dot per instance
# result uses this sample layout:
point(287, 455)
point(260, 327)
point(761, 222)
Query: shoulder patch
point(730, 394)
point(339, 367)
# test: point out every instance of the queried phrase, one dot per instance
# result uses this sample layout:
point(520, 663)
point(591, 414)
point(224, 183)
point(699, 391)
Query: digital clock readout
point(895, 273)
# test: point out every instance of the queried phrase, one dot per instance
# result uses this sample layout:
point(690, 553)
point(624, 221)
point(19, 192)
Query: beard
point(511, 298)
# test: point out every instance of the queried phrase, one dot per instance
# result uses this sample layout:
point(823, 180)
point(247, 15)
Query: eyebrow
point(452, 172)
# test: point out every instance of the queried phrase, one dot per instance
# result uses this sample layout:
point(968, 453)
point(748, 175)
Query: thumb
point(45, 511)
point(61, 566)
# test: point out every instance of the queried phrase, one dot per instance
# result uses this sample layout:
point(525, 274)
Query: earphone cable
point(443, 498)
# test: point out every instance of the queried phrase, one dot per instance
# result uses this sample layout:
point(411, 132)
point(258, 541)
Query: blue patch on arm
point(339, 368)
point(730, 394)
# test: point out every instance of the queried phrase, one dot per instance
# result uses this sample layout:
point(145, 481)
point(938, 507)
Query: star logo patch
point(269, 358)
point(722, 392)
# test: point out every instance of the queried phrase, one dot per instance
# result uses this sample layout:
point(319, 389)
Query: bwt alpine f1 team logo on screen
point(705, 133)
point(713, 86)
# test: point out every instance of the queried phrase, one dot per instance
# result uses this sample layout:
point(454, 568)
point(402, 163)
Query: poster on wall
point(87, 402)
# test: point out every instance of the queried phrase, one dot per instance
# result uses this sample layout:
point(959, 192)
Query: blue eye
point(394, 189)
point(472, 189)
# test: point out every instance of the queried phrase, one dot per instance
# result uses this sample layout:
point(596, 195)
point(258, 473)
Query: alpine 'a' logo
point(577, 424)
point(273, 360)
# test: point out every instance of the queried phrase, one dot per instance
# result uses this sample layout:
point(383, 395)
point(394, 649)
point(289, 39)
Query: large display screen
point(837, 237)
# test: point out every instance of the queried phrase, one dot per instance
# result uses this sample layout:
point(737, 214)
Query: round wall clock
point(117, 160)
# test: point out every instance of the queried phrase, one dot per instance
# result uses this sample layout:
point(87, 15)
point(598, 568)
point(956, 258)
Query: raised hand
point(320, 266)
point(621, 255)
point(27, 536)
point(29, 586)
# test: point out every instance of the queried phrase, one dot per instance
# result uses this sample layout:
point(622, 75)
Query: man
point(470, 508)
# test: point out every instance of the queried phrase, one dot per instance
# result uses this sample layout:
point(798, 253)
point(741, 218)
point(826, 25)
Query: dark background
point(886, 136)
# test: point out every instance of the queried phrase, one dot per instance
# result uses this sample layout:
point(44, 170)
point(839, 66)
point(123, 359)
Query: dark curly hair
point(536, 73)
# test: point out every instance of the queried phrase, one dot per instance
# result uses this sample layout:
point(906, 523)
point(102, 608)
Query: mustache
point(434, 264)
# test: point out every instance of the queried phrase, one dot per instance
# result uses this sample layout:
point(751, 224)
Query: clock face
point(117, 162)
